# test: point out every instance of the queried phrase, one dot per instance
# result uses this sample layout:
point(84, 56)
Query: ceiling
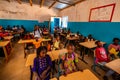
point(58, 4)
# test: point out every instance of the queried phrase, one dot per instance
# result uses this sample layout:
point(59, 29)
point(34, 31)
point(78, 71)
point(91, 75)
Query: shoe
point(105, 78)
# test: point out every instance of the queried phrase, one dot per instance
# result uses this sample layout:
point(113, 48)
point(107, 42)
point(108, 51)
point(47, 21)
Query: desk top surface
point(89, 44)
point(53, 54)
point(4, 43)
point(8, 37)
point(31, 40)
point(85, 75)
point(114, 65)
point(72, 38)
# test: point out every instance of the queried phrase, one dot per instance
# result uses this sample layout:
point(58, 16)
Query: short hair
point(116, 39)
point(41, 48)
point(97, 42)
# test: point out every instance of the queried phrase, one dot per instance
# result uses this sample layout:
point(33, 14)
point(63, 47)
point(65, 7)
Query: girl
point(115, 47)
point(37, 31)
point(56, 43)
point(70, 60)
point(42, 64)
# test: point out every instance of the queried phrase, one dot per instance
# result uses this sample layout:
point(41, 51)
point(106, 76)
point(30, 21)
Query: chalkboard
point(102, 13)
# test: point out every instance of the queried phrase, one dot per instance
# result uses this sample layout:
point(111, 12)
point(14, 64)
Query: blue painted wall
point(28, 24)
point(104, 31)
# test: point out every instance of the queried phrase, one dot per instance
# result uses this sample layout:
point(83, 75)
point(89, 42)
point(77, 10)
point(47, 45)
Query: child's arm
point(76, 63)
point(44, 73)
point(35, 68)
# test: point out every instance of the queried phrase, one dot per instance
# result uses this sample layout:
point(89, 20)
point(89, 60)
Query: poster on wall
point(102, 13)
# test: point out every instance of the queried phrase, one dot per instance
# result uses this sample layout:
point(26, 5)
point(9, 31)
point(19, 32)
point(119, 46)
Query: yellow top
point(37, 44)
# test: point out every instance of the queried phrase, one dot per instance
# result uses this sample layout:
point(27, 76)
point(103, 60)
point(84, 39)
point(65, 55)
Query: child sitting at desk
point(102, 58)
point(37, 41)
point(114, 48)
point(56, 43)
point(70, 60)
point(42, 64)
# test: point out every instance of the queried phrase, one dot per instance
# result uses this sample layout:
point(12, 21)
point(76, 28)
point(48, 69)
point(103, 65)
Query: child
point(70, 60)
point(37, 31)
point(115, 47)
point(37, 41)
point(42, 64)
point(56, 43)
point(100, 53)
point(102, 58)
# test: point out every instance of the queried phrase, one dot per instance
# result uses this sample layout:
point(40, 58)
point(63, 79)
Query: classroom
point(59, 40)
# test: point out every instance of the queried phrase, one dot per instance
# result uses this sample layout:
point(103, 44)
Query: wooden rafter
point(52, 4)
point(73, 4)
point(8, 0)
point(19, 1)
point(30, 2)
point(42, 3)
point(64, 2)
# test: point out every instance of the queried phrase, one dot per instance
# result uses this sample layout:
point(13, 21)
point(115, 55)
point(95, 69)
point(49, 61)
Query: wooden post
point(30, 2)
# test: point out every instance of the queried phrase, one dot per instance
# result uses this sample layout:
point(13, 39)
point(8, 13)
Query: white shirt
point(38, 33)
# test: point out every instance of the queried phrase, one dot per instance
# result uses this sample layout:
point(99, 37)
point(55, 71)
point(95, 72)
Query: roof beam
point(8, 0)
point(73, 4)
point(42, 3)
point(64, 2)
point(30, 2)
point(19, 1)
point(52, 4)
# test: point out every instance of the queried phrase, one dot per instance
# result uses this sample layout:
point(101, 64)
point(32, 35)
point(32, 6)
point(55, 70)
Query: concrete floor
point(15, 69)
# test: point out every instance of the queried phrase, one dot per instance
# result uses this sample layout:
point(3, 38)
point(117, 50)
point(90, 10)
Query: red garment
point(101, 55)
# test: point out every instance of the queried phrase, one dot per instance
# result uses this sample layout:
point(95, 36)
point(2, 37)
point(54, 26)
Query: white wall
point(14, 10)
point(80, 12)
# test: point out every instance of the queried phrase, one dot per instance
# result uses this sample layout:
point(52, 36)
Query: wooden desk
point(89, 45)
point(31, 41)
point(3, 44)
point(8, 37)
point(45, 33)
point(85, 75)
point(53, 54)
point(53, 79)
point(72, 38)
point(114, 65)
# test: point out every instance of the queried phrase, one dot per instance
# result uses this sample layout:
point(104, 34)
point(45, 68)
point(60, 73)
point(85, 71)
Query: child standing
point(42, 64)
point(70, 60)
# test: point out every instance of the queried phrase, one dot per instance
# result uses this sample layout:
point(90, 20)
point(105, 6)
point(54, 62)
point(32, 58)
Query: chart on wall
point(102, 13)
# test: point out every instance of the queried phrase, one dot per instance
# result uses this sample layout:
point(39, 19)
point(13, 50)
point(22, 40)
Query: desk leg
point(5, 52)
point(31, 73)
point(82, 54)
point(24, 51)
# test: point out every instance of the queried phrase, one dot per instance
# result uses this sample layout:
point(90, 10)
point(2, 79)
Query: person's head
point(42, 51)
point(61, 45)
point(98, 43)
point(116, 40)
point(77, 32)
point(57, 37)
point(70, 48)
